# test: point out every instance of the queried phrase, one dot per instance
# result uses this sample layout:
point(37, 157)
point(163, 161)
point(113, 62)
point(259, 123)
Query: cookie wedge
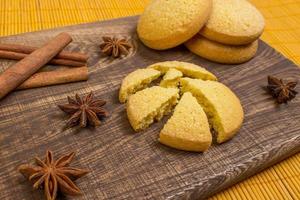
point(149, 105)
point(188, 128)
point(221, 105)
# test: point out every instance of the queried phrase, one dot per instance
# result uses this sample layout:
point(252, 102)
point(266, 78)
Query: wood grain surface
point(128, 165)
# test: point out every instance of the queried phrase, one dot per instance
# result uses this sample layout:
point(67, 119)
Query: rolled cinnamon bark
point(81, 57)
point(12, 77)
point(55, 61)
point(56, 77)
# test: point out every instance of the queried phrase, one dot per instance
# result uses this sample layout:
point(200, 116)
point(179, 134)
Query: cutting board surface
point(128, 165)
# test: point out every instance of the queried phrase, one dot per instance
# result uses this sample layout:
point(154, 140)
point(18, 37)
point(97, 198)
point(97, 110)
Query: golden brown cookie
point(221, 105)
point(168, 23)
point(221, 53)
point(188, 128)
point(150, 104)
point(233, 22)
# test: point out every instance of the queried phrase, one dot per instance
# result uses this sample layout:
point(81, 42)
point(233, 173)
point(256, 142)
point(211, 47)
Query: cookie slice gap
point(188, 69)
point(135, 81)
point(171, 78)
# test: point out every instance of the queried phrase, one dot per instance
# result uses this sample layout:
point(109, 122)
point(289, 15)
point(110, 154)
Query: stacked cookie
point(201, 104)
point(224, 31)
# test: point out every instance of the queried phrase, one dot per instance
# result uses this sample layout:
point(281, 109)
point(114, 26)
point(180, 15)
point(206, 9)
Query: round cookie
point(216, 52)
point(233, 22)
point(166, 24)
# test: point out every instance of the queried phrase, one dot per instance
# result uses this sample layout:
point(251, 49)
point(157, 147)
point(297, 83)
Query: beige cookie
point(221, 53)
point(171, 78)
point(188, 128)
point(233, 22)
point(135, 81)
point(150, 104)
point(188, 69)
point(221, 105)
point(168, 23)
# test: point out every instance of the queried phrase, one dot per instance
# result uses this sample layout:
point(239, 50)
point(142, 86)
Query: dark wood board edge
point(219, 182)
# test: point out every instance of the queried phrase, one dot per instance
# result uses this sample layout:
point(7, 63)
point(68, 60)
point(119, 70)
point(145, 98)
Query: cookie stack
point(224, 31)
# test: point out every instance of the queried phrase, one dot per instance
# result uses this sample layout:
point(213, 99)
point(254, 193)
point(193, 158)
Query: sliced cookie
point(150, 104)
point(135, 81)
point(221, 105)
point(221, 53)
point(188, 69)
point(233, 22)
point(168, 23)
point(188, 128)
point(171, 78)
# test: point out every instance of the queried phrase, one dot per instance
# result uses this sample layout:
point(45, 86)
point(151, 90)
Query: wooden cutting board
point(128, 165)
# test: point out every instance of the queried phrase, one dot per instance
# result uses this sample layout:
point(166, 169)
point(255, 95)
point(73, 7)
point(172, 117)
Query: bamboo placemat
point(281, 181)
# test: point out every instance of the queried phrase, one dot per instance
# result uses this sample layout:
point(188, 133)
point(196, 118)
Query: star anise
point(84, 111)
point(115, 47)
point(283, 92)
point(54, 176)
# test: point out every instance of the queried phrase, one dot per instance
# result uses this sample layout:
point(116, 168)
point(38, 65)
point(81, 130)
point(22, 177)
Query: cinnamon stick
point(56, 77)
point(12, 77)
point(55, 61)
point(81, 57)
